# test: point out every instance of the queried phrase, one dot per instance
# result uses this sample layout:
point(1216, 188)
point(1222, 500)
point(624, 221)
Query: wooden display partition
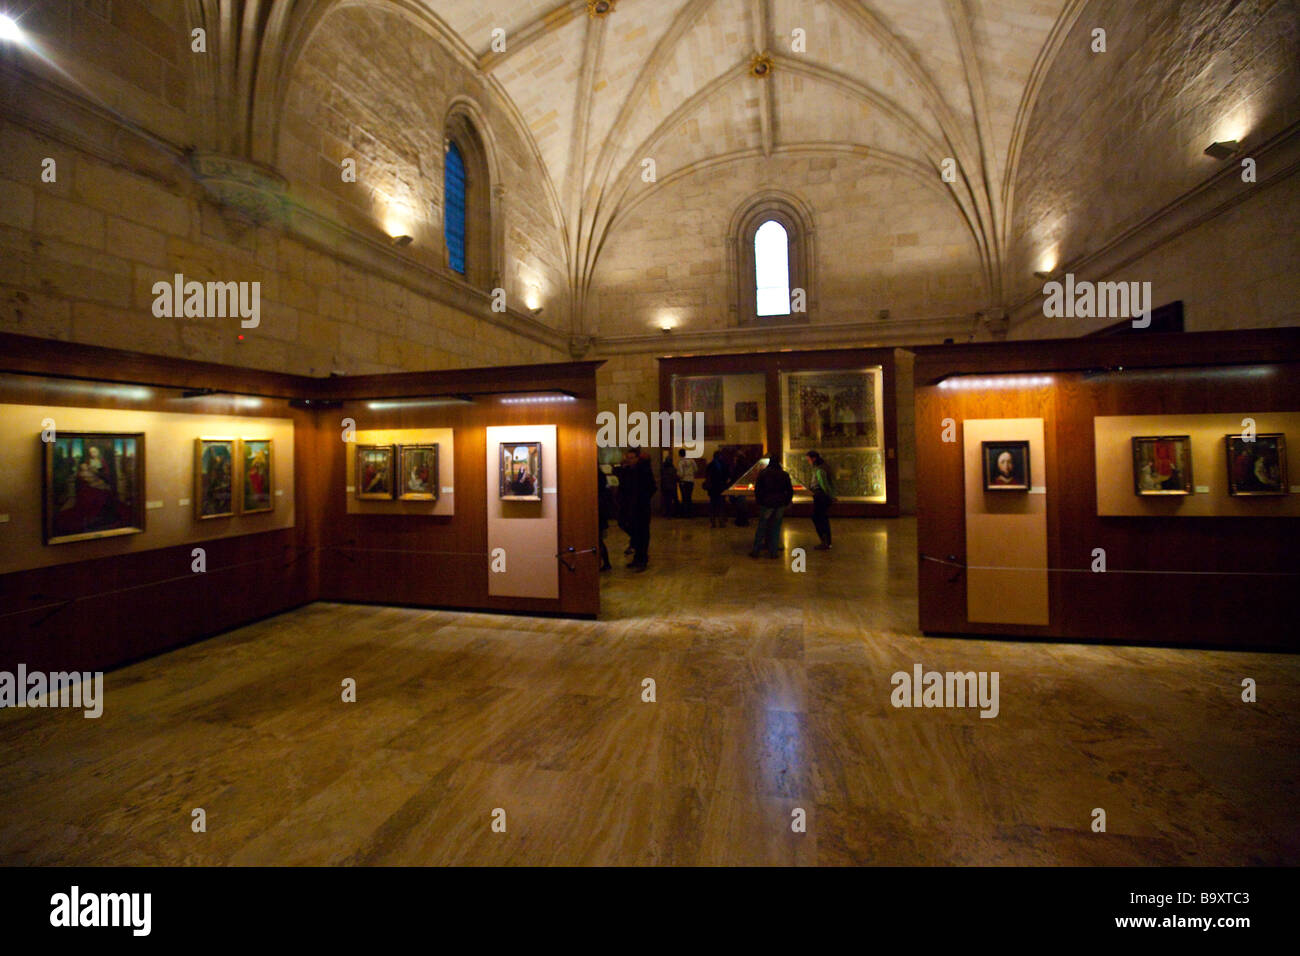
point(1228, 580)
point(110, 601)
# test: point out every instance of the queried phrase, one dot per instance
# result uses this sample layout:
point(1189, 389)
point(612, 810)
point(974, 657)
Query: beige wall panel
point(1115, 496)
point(443, 437)
point(169, 480)
point(1006, 534)
point(527, 530)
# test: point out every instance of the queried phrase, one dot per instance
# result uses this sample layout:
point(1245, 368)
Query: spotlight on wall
point(537, 311)
point(1044, 275)
point(400, 240)
point(1223, 150)
point(10, 31)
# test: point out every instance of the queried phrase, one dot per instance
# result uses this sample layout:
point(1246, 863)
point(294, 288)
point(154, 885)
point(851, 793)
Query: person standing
point(774, 492)
point(604, 509)
point(716, 478)
point(686, 481)
point(739, 503)
point(668, 485)
point(636, 488)
point(823, 492)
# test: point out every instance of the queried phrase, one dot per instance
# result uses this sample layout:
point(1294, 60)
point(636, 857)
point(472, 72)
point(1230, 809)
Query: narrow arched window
point(772, 269)
point(454, 217)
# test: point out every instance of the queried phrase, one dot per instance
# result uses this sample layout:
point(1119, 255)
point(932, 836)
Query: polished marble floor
point(772, 696)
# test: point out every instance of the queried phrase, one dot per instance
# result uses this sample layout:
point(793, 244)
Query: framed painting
point(214, 478)
point(375, 468)
point(1006, 465)
point(94, 486)
point(831, 409)
point(701, 394)
point(521, 471)
point(1257, 467)
point(1162, 465)
point(256, 476)
point(417, 472)
point(746, 411)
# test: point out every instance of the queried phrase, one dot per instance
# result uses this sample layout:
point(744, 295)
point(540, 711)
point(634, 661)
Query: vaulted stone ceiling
point(904, 85)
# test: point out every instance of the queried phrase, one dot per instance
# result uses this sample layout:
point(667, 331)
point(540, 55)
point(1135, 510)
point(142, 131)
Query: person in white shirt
point(686, 481)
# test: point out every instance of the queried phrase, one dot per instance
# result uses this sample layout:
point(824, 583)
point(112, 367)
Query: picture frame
point(1162, 465)
point(374, 472)
point(94, 486)
point(1005, 465)
point(1257, 468)
point(417, 472)
point(215, 475)
point(256, 476)
point(521, 471)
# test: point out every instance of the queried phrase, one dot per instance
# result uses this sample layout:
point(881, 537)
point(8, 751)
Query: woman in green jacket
point(823, 491)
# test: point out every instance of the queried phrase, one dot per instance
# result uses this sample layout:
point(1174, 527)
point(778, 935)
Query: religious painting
point(417, 472)
point(701, 394)
point(746, 411)
point(521, 471)
point(214, 478)
point(94, 486)
point(1256, 467)
point(257, 480)
point(832, 409)
point(1162, 465)
point(374, 475)
point(1006, 465)
point(856, 473)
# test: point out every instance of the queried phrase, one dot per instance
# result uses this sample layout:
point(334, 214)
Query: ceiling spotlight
point(600, 8)
point(761, 66)
point(1223, 150)
point(400, 240)
point(10, 31)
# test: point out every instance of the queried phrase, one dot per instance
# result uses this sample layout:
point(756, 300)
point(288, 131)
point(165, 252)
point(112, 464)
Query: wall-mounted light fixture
point(1045, 276)
point(10, 31)
point(400, 240)
point(538, 399)
point(1225, 149)
point(997, 381)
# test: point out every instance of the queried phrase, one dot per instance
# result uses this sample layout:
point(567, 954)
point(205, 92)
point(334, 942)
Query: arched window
point(771, 261)
point(454, 217)
point(472, 222)
point(772, 269)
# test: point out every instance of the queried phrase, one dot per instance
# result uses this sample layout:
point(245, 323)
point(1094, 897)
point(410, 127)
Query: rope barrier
point(976, 567)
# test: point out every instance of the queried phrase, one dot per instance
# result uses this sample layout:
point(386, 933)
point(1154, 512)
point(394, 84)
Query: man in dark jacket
point(636, 486)
point(774, 491)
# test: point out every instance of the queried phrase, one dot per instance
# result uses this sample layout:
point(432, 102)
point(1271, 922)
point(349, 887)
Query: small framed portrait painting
point(375, 472)
point(417, 472)
point(1006, 465)
point(257, 476)
point(1162, 465)
point(521, 471)
point(1257, 467)
point(214, 477)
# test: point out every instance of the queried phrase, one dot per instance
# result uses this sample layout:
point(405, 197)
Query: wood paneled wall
point(1236, 583)
point(99, 614)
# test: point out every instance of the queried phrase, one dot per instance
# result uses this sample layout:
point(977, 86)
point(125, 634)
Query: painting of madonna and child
point(521, 471)
point(94, 486)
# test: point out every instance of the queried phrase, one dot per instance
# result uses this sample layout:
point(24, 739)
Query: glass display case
point(839, 413)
